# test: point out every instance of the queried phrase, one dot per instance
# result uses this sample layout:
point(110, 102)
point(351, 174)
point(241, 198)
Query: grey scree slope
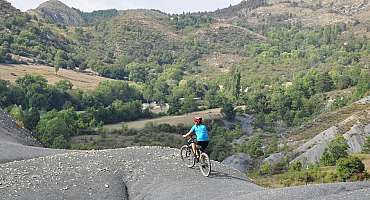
point(17, 143)
point(145, 173)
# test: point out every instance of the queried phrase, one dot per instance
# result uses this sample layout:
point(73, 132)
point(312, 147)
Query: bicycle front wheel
point(187, 156)
point(205, 164)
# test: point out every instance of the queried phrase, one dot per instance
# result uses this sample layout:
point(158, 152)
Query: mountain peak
point(6, 9)
point(52, 3)
point(58, 12)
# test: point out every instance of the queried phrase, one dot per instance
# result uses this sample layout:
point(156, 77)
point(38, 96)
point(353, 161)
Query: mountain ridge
point(58, 12)
point(7, 10)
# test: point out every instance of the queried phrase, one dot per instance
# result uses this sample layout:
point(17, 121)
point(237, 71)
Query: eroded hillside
point(143, 173)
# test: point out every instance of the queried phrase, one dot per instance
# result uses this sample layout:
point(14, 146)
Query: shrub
point(348, 167)
point(295, 166)
point(337, 149)
point(265, 169)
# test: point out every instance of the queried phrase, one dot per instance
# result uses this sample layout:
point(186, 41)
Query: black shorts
point(203, 144)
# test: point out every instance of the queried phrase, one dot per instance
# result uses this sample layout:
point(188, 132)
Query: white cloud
point(170, 6)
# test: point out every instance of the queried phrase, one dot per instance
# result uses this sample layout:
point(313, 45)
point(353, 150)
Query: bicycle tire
point(205, 164)
point(187, 156)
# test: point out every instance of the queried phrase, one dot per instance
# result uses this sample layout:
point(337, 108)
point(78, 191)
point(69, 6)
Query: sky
point(168, 6)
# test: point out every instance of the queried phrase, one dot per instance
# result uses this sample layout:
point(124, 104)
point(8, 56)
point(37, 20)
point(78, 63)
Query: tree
point(30, 118)
point(235, 88)
point(347, 167)
point(363, 84)
point(324, 83)
point(212, 98)
point(54, 126)
point(228, 111)
point(296, 166)
point(189, 104)
point(17, 113)
point(59, 143)
point(64, 85)
point(148, 92)
point(2, 54)
point(59, 61)
point(253, 146)
point(337, 149)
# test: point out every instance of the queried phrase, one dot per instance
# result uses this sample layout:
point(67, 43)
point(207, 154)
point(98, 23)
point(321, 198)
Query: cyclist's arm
point(189, 133)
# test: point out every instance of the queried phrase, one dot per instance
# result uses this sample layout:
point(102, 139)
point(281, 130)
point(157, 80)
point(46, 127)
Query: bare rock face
point(59, 13)
point(359, 128)
point(274, 158)
point(241, 162)
point(7, 10)
point(356, 138)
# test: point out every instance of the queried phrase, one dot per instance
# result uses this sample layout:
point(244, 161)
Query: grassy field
point(79, 80)
point(186, 119)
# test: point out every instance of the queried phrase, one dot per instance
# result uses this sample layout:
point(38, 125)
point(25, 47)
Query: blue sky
point(169, 6)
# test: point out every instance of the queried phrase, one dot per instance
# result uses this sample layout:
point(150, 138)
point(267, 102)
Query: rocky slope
point(355, 128)
point(6, 9)
point(131, 173)
point(59, 13)
point(143, 173)
point(17, 143)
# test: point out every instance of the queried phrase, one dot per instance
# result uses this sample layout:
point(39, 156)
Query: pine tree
point(58, 61)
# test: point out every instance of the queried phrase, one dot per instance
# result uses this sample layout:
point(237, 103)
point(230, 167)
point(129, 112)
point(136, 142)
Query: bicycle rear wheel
point(187, 156)
point(205, 164)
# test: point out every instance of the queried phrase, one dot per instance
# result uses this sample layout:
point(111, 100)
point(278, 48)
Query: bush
point(228, 111)
point(265, 169)
point(337, 149)
point(348, 167)
point(295, 166)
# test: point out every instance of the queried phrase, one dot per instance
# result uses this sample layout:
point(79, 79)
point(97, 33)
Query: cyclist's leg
point(193, 146)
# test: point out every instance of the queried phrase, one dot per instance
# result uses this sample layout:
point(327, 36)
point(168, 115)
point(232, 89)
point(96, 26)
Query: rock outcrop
point(59, 13)
point(7, 10)
point(355, 129)
point(240, 161)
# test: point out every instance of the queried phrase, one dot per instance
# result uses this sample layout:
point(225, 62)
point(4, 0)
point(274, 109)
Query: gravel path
point(137, 173)
point(144, 173)
point(12, 151)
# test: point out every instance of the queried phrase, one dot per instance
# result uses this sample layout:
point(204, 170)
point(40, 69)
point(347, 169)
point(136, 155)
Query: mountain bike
point(189, 157)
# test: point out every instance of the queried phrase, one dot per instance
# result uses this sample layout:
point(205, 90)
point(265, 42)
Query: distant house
point(90, 71)
point(155, 107)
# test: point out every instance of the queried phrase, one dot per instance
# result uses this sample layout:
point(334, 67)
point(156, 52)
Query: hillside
point(144, 173)
point(57, 12)
point(108, 41)
point(7, 10)
point(353, 122)
point(294, 68)
point(268, 9)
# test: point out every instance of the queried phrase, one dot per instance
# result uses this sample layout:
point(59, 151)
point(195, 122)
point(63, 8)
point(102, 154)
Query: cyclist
point(201, 132)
